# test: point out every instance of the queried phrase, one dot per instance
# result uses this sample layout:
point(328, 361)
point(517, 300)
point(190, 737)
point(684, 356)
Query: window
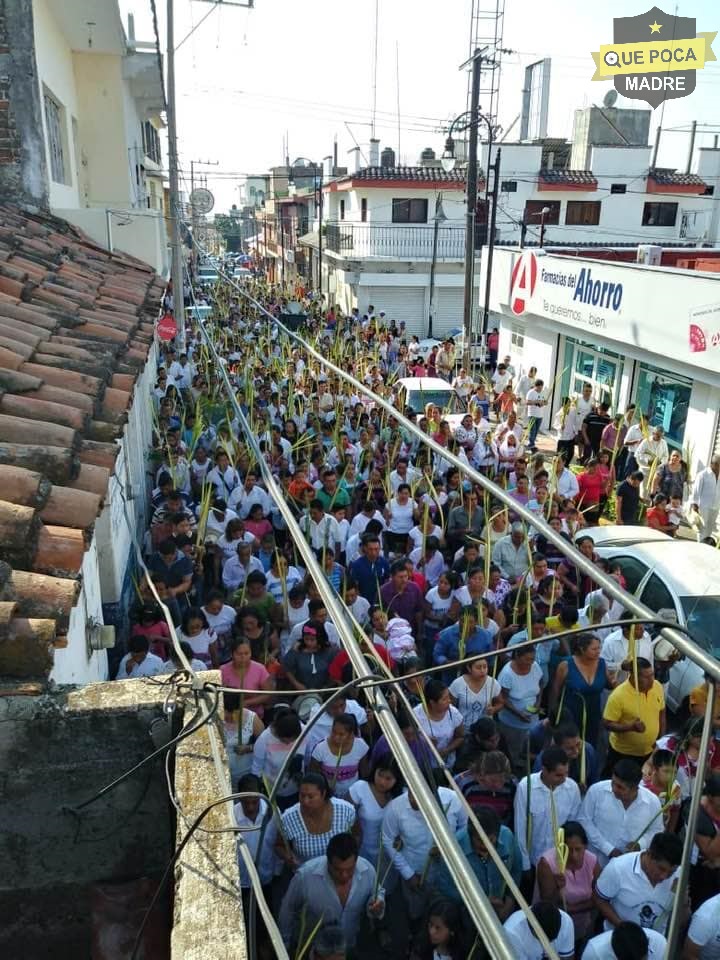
point(517, 339)
point(363, 209)
point(657, 596)
point(342, 209)
point(508, 186)
point(709, 191)
point(55, 123)
point(618, 188)
point(409, 211)
point(659, 214)
point(585, 212)
point(151, 142)
point(632, 569)
point(666, 399)
point(534, 209)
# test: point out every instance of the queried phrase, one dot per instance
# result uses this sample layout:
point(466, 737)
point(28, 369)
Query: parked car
point(680, 581)
point(617, 535)
point(417, 392)
point(457, 335)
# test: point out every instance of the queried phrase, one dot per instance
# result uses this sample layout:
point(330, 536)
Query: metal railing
point(405, 241)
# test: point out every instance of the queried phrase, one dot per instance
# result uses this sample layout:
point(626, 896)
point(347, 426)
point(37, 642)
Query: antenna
point(375, 66)
point(397, 75)
point(610, 99)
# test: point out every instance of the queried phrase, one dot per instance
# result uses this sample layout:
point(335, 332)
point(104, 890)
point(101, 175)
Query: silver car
point(680, 581)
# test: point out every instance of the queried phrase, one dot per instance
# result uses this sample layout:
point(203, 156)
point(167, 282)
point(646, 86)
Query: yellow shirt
point(698, 698)
point(624, 705)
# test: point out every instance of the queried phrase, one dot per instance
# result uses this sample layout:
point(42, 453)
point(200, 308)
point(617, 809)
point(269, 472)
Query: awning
point(309, 240)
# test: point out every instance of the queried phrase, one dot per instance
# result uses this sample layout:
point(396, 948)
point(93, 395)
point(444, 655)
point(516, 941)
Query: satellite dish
point(610, 98)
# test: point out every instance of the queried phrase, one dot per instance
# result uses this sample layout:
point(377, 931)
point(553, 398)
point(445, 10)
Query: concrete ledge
point(208, 919)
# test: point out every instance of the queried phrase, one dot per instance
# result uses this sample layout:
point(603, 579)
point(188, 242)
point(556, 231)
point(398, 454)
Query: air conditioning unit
point(650, 254)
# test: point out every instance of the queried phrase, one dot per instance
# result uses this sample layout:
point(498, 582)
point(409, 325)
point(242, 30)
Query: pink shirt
point(578, 887)
point(255, 676)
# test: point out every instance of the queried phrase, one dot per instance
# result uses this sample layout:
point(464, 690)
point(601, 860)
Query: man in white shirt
point(555, 924)
point(618, 813)
point(703, 937)
point(138, 662)
point(640, 886)
point(320, 528)
point(368, 512)
point(403, 822)
point(430, 562)
point(536, 403)
point(651, 451)
point(236, 569)
point(617, 647)
point(322, 727)
point(243, 497)
point(628, 941)
point(403, 473)
point(249, 815)
point(181, 372)
point(317, 612)
point(551, 787)
point(584, 403)
point(705, 498)
point(463, 384)
point(566, 424)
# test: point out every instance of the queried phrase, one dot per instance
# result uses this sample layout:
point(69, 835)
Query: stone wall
point(55, 752)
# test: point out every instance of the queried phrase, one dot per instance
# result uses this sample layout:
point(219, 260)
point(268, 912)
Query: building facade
point(100, 99)
point(637, 334)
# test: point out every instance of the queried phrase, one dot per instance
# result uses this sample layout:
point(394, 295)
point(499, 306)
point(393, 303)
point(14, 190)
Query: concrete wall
point(23, 172)
point(55, 72)
point(76, 663)
point(140, 233)
point(56, 752)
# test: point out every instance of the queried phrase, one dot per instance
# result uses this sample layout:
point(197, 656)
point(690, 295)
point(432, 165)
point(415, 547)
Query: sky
point(301, 73)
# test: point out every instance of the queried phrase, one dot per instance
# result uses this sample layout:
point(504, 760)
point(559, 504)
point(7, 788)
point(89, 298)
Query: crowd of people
point(562, 749)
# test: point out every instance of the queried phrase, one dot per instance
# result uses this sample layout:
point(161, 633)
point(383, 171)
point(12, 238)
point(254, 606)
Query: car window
point(656, 595)
point(702, 615)
point(446, 400)
point(632, 569)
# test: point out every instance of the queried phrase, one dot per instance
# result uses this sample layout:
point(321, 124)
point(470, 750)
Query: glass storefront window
point(665, 397)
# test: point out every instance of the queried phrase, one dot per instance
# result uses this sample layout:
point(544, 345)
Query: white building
point(621, 199)
point(383, 245)
point(649, 335)
point(100, 102)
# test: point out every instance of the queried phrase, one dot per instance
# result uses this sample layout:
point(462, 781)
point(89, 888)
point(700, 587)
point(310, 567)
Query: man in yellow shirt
point(698, 701)
point(635, 716)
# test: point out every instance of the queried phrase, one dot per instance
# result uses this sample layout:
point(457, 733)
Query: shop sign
point(585, 296)
point(704, 328)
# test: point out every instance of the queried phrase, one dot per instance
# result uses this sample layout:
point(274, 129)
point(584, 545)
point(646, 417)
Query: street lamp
point(524, 225)
point(438, 218)
point(318, 181)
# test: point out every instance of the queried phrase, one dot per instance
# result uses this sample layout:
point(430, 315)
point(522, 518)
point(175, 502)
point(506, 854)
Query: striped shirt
point(477, 795)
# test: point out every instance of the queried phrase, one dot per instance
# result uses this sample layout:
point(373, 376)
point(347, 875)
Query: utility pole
point(439, 216)
point(175, 211)
point(490, 249)
point(693, 130)
point(471, 196)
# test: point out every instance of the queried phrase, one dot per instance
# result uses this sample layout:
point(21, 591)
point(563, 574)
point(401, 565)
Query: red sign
point(167, 328)
point(522, 282)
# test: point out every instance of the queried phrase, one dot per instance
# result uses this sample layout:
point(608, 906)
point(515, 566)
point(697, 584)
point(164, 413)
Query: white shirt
point(241, 501)
point(330, 629)
point(149, 667)
point(432, 568)
point(566, 425)
point(706, 490)
point(323, 535)
point(526, 944)
point(535, 400)
point(624, 884)
point(500, 381)
point(599, 947)
point(251, 837)
point(705, 929)
point(361, 520)
point(411, 475)
point(322, 728)
point(615, 650)
point(221, 623)
point(611, 826)
point(234, 574)
point(567, 807)
point(566, 484)
point(651, 450)
point(409, 825)
point(583, 407)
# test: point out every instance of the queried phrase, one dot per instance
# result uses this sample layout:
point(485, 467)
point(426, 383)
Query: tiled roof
point(416, 174)
point(573, 177)
point(669, 177)
point(76, 325)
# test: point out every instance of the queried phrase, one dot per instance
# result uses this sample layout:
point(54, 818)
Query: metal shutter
point(399, 303)
point(449, 310)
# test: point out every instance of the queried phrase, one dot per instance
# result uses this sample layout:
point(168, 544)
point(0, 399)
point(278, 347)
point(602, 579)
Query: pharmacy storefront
point(637, 334)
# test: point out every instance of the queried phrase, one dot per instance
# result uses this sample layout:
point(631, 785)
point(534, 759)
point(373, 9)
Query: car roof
point(690, 569)
point(425, 383)
point(612, 534)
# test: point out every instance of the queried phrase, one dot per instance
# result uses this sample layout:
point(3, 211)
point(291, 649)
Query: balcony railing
point(395, 240)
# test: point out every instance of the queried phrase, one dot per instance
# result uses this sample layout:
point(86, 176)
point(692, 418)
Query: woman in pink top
point(256, 523)
point(246, 674)
point(572, 890)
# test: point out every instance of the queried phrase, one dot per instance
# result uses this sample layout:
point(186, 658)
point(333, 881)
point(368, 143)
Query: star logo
point(655, 27)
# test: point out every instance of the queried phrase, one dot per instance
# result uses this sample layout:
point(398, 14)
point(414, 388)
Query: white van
point(417, 392)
